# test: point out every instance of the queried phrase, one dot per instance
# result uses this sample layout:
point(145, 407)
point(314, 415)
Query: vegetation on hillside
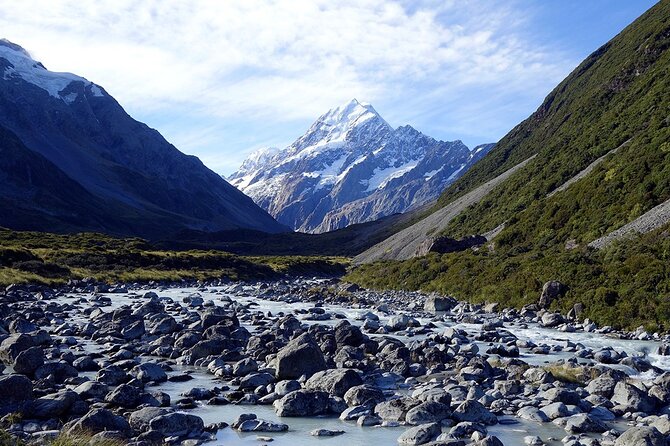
point(625, 285)
point(37, 257)
point(617, 94)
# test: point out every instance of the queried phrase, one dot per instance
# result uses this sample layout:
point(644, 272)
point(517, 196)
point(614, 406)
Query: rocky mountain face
point(73, 160)
point(350, 167)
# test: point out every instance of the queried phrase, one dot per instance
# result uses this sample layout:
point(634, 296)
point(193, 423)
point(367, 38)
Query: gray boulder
point(583, 423)
point(435, 303)
point(140, 419)
point(551, 291)
point(15, 391)
point(334, 381)
point(98, 420)
point(29, 360)
point(641, 436)
point(364, 395)
point(13, 345)
point(419, 435)
point(475, 412)
point(428, 412)
point(178, 425)
point(301, 356)
point(632, 399)
point(125, 395)
point(303, 403)
point(149, 372)
point(54, 405)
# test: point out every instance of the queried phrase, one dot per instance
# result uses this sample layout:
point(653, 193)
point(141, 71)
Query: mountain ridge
point(350, 167)
point(137, 182)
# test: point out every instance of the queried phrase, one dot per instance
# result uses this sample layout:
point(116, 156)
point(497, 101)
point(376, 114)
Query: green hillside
point(618, 94)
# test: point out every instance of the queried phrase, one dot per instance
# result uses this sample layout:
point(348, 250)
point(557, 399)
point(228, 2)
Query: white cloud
point(280, 61)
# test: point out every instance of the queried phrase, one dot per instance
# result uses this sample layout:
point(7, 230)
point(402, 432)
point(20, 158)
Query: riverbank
point(157, 363)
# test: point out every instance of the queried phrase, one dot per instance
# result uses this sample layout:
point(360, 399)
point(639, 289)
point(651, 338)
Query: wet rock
point(112, 375)
point(602, 385)
point(15, 391)
point(419, 435)
point(124, 395)
point(325, 433)
point(178, 425)
point(51, 406)
point(13, 345)
point(301, 356)
point(632, 399)
point(355, 412)
point(551, 320)
point(334, 381)
point(364, 395)
point(244, 367)
point(395, 409)
point(139, 420)
point(28, 361)
point(98, 420)
point(427, 412)
point(533, 414)
point(92, 389)
point(256, 379)
point(251, 423)
point(475, 412)
point(149, 372)
point(641, 436)
point(303, 403)
point(584, 423)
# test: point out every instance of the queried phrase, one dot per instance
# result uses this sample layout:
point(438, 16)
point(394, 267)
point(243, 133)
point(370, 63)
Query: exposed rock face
point(72, 159)
point(445, 245)
point(352, 167)
point(641, 436)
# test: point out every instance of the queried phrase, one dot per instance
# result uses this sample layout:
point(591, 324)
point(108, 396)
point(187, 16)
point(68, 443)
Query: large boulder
point(58, 371)
point(15, 391)
point(583, 423)
point(475, 412)
point(140, 419)
point(632, 399)
point(149, 372)
point(551, 291)
point(303, 403)
point(419, 435)
point(13, 345)
point(641, 436)
point(428, 412)
point(334, 381)
point(301, 356)
point(178, 425)
point(125, 395)
point(435, 303)
point(28, 361)
point(395, 409)
point(364, 395)
point(54, 405)
point(98, 420)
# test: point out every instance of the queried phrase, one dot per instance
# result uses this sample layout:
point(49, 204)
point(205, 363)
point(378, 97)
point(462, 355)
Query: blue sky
point(220, 79)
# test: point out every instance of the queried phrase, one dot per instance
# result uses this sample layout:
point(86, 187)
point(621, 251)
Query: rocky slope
point(351, 167)
point(74, 160)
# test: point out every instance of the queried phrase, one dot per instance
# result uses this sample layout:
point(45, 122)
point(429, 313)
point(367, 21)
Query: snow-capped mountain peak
point(18, 64)
point(350, 166)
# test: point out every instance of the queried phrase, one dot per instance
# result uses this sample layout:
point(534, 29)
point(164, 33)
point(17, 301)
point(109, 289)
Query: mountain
point(350, 167)
point(74, 160)
point(578, 192)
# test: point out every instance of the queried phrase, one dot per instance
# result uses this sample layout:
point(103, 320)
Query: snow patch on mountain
point(21, 66)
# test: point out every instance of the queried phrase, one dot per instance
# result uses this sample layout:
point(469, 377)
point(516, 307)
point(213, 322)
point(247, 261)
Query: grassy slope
point(617, 93)
point(36, 257)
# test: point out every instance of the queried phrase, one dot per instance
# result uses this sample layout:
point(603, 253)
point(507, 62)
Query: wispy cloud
point(255, 62)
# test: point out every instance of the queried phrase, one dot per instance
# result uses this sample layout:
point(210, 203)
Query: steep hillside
point(351, 167)
point(601, 142)
point(77, 161)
